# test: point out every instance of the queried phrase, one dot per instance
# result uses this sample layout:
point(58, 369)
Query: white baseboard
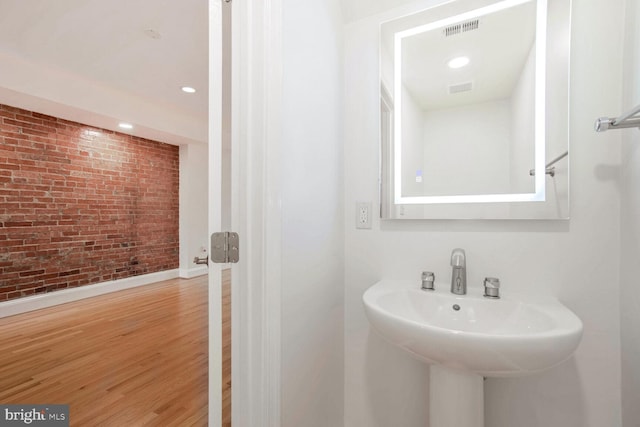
point(190, 273)
point(36, 302)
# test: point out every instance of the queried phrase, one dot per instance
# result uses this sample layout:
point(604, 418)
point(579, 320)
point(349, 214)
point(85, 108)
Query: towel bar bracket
point(630, 119)
point(606, 123)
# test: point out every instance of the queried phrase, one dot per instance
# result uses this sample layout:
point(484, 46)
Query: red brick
point(79, 208)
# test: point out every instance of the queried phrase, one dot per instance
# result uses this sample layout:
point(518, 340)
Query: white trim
point(257, 100)
point(190, 273)
point(272, 196)
point(37, 302)
point(215, 210)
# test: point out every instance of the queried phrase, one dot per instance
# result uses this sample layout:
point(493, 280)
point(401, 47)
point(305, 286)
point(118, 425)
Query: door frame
point(256, 210)
point(215, 213)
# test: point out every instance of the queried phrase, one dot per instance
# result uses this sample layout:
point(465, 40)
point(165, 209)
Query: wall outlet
point(363, 215)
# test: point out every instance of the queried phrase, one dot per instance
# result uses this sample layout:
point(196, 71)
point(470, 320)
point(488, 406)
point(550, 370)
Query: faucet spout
point(459, 272)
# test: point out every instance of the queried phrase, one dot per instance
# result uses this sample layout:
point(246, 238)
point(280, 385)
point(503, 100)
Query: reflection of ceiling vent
point(463, 27)
point(460, 87)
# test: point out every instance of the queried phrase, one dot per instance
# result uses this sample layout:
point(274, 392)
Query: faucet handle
point(492, 287)
point(428, 279)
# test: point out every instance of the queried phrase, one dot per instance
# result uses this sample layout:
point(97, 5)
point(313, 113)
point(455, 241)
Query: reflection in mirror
point(465, 100)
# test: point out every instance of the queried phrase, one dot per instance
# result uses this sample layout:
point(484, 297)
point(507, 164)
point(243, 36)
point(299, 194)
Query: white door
point(219, 186)
point(244, 156)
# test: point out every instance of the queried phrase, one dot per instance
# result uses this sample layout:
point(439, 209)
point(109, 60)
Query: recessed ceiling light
point(126, 125)
point(458, 62)
point(188, 89)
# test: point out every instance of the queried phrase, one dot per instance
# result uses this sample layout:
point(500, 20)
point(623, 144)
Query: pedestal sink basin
point(467, 337)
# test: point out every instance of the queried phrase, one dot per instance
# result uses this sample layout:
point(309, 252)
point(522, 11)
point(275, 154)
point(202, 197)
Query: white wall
point(413, 143)
point(630, 227)
point(469, 159)
point(577, 261)
point(312, 227)
point(522, 129)
point(194, 196)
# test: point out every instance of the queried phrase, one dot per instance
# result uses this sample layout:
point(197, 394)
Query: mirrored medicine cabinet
point(474, 111)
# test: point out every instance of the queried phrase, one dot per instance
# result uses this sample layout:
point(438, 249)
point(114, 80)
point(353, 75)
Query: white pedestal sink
point(468, 337)
point(456, 398)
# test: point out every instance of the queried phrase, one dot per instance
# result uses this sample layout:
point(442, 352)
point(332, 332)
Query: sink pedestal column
point(456, 398)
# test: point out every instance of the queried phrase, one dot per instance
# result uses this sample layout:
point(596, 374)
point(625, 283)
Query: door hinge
point(225, 247)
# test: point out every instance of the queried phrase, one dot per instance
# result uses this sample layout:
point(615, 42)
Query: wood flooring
point(226, 348)
point(132, 358)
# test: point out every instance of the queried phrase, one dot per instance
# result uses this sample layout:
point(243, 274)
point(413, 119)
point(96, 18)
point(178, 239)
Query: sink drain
point(456, 307)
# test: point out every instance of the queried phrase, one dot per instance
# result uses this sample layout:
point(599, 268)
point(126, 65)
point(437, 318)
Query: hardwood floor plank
point(133, 358)
point(226, 348)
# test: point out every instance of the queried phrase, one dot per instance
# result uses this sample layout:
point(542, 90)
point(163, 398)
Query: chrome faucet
point(459, 272)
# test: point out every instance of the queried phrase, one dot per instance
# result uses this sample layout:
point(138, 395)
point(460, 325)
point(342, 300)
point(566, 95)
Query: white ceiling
point(94, 58)
point(92, 61)
point(353, 10)
point(498, 50)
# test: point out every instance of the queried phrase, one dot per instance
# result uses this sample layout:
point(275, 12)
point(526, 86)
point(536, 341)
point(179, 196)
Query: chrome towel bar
point(548, 169)
point(629, 119)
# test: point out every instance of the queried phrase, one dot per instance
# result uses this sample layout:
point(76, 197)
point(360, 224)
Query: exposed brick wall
point(81, 205)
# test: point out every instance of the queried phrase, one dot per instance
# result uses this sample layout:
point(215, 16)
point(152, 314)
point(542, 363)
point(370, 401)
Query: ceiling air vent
point(460, 87)
point(462, 27)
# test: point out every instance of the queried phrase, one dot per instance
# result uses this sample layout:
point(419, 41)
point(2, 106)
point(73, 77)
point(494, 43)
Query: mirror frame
point(540, 113)
point(540, 78)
